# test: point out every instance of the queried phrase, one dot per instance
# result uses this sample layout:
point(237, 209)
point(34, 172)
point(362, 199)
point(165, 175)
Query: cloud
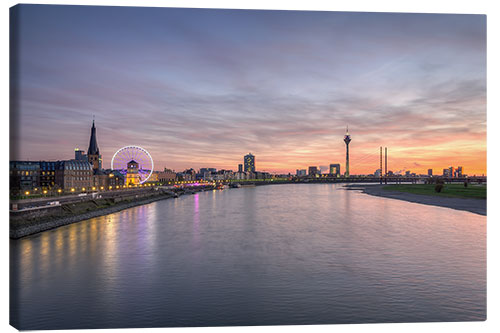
point(282, 85)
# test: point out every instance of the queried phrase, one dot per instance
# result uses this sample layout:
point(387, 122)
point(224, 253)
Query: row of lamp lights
point(84, 189)
point(102, 188)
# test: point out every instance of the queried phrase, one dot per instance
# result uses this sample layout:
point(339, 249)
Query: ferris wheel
point(128, 154)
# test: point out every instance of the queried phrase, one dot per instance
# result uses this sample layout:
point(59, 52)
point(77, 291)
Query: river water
point(280, 254)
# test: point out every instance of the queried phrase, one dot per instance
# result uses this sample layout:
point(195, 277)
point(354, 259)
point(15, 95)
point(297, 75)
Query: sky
point(204, 87)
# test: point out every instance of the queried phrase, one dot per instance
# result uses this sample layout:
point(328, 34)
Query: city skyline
point(94, 160)
point(280, 85)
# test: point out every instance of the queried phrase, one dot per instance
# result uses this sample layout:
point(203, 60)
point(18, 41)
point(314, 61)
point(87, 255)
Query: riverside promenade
point(71, 209)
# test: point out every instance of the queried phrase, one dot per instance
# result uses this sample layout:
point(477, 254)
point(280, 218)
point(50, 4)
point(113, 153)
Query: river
point(267, 255)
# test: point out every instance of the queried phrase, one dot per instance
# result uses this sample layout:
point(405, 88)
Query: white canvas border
point(422, 6)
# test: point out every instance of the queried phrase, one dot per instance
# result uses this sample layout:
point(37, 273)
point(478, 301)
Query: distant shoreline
point(477, 206)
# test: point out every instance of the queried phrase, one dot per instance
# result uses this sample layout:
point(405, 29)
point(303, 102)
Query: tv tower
point(347, 140)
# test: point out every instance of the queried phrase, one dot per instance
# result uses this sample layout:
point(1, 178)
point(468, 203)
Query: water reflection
point(283, 254)
point(196, 220)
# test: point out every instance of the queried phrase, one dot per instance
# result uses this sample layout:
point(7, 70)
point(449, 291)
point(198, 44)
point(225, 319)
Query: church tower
point(93, 152)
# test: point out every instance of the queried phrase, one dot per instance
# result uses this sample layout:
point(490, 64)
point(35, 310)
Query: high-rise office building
point(249, 163)
point(429, 172)
point(240, 167)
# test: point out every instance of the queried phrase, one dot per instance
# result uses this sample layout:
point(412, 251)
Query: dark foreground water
point(282, 254)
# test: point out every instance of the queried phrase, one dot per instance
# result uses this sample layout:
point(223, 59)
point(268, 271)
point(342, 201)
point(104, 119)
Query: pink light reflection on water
point(196, 221)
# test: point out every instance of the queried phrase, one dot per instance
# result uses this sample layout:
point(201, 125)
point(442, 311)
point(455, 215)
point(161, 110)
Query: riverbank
point(477, 191)
point(473, 205)
point(21, 226)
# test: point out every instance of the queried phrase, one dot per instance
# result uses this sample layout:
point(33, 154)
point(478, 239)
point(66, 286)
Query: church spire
point(93, 148)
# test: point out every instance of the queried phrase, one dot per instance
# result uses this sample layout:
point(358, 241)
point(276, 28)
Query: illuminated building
point(93, 155)
point(166, 175)
point(103, 179)
point(133, 177)
point(153, 177)
point(347, 140)
point(47, 174)
point(24, 175)
point(249, 163)
point(114, 178)
point(335, 170)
